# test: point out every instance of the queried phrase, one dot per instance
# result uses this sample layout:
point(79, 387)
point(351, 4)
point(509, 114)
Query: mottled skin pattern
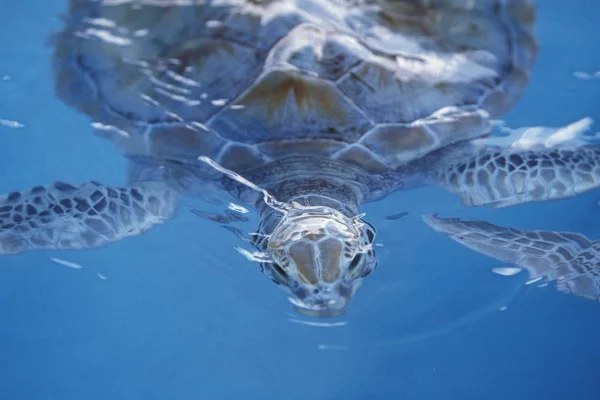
point(62, 216)
point(505, 178)
point(324, 104)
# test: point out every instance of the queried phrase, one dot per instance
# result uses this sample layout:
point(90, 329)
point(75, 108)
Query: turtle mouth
point(327, 306)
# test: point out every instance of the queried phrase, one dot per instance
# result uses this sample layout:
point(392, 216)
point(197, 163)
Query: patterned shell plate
point(374, 82)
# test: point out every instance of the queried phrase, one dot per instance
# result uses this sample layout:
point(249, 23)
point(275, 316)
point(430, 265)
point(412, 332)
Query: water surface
point(177, 313)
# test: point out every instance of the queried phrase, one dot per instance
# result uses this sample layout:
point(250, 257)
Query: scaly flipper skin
point(507, 176)
point(570, 259)
point(61, 216)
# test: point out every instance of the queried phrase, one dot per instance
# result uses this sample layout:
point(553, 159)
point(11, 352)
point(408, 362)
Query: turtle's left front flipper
point(61, 216)
point(505, 176)
point(568, 258)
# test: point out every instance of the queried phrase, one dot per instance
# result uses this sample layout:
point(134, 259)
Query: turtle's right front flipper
point(506, 177)
point(61, 216)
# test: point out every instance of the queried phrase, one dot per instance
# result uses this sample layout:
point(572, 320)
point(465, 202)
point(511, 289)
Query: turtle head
point(321, 255)
point(314, 243)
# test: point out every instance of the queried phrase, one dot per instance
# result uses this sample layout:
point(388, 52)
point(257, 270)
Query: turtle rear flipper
point(568, 258)
point(506, 176)
point(62, 216)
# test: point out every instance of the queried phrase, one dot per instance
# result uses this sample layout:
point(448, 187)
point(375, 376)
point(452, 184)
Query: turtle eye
point(280, 277)
point(354, 263)
point(366, 272)
point(370, 231)
point(280, 270)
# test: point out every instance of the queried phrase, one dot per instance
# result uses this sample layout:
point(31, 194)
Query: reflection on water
point(586, 75)
point(304, 110)
point(569, 259)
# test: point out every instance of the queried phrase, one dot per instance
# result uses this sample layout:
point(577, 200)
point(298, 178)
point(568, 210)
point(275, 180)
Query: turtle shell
point(375, 83)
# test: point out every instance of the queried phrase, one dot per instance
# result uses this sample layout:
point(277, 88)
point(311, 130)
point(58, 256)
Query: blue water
point(181, 315)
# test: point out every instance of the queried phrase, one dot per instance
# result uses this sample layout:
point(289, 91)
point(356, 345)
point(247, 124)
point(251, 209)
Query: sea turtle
point(312, 106)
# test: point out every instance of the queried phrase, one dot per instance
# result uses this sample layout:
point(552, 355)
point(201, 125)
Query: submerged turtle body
point(375, 84)
point(312, 107)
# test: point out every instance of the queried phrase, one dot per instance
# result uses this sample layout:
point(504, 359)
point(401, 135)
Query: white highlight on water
point(534, 280)
point(104, 36)
point(158, 84)
point(254, 256)
point(213, 23)
point(197, 124)
point(141, 33)
point(507, 271)
point(237, 208)
point(176, 97)
point(149, 99)
point(182, 79)
point(543, 137)
point(331, 347)
point(103, 127)
point(66, 263)
point(101, 22)
point(11, 124)
point(586, 76)
point(318, 324)
point(267, 197)
point(219, 102)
